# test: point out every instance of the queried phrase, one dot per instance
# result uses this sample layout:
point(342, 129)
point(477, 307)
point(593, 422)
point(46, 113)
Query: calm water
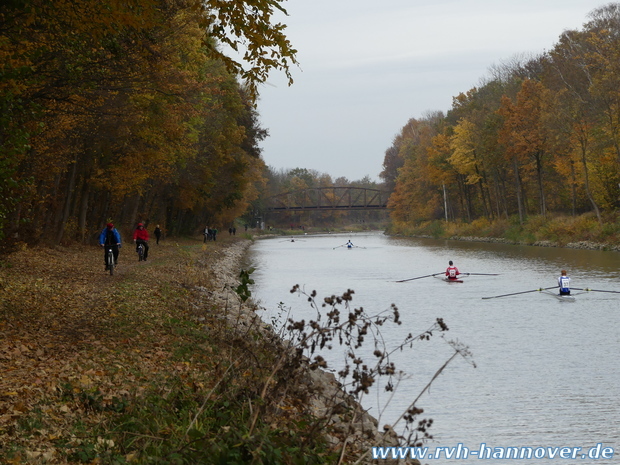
point(547, 372)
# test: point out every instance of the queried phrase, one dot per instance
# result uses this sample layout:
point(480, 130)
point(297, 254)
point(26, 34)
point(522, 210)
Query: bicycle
point(109, 258)
point(140, 252)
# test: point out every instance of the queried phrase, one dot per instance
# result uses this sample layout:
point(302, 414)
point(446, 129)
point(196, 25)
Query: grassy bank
point(553, 230)
point(146, 366)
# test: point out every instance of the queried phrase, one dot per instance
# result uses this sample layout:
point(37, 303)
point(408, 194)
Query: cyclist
point(141, 236)
point(110, 237)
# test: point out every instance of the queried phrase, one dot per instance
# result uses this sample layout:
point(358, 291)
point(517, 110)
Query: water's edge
point(352, 426)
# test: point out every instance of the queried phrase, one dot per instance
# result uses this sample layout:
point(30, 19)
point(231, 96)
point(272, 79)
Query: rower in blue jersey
point(564, 284)
point(349, 244)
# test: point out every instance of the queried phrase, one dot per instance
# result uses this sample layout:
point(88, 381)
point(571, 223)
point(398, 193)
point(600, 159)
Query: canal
point(542, 372)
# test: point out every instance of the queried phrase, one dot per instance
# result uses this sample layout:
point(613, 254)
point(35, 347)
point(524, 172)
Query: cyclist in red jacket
point(141, 236)
point(452, 271)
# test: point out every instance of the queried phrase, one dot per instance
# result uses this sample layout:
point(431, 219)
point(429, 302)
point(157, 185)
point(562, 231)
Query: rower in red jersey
point(452, 271)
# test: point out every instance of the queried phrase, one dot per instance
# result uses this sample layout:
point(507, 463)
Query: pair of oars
point(443, 272)
point(522, 292)
point(547, 288)
point(347, 245)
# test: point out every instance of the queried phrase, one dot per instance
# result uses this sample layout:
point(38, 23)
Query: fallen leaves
point(75, 342)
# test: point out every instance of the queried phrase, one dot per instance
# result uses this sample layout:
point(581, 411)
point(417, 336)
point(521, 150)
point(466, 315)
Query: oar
point(339, 246)
point(481, 274)
point(522, 292)
point(419, 277)
point(594, 290)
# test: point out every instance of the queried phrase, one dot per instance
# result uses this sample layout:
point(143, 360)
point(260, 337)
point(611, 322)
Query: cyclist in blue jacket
point(110, 236)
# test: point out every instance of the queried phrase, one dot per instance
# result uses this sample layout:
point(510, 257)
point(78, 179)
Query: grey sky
point(368, 66)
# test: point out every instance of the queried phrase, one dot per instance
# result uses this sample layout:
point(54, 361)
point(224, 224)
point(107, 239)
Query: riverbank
point(580, 232)
point(583, 245)
point(163, 362)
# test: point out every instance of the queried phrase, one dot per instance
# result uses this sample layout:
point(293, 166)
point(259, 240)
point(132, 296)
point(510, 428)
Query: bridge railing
point(329, 198)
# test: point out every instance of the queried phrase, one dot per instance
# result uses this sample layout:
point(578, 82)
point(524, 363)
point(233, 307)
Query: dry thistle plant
point(338, 324)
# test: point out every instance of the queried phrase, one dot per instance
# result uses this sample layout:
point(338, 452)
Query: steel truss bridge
point(329, 198)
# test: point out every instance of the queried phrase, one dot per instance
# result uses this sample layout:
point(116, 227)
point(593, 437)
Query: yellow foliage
point(463, 146)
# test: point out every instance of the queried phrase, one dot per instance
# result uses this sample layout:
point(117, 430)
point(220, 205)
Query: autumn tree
point(525, 134)
point(392, 162)
point(101, 116)
point(540, 134)
point(575, 116)
point(416, 197)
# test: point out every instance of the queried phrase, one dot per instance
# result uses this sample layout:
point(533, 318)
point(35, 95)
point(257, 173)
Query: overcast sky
point(368, 66)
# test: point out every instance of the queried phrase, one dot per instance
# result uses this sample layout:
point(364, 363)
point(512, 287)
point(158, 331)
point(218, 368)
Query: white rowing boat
point(561, 298)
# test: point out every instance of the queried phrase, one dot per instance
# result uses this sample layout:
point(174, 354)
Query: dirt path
point(67, 325)
point(84, 357)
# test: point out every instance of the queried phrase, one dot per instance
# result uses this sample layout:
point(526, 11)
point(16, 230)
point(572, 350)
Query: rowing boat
point(445, 278)
point(561, 298)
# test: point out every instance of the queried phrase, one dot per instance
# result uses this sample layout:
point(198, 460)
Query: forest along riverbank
point(162, 358)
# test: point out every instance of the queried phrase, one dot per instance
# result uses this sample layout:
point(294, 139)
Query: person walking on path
point(157, 234)
point(141, 236)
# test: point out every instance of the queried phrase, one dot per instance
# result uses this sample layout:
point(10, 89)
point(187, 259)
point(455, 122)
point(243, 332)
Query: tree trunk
point(541, 189)
point(134, 213)
point(518, 188)
point(497, 196)
point(68, 198)
point(573, 192)
point(83, 211)
point(586, 184)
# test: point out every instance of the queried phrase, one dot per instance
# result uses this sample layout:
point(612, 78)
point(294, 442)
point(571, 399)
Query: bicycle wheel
point(111, 262)
point(140, 252)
